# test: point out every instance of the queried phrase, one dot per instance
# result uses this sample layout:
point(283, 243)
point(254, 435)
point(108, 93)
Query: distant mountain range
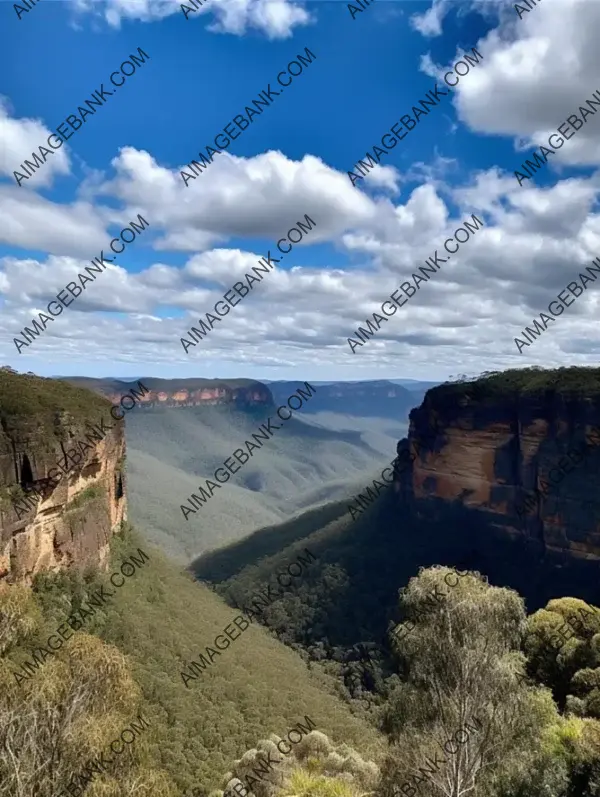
point(382, 398)
point(371, 399)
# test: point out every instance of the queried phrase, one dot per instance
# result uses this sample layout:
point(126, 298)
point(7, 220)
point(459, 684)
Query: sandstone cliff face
point(488, 455)
point(73, 521)
point(205, 396)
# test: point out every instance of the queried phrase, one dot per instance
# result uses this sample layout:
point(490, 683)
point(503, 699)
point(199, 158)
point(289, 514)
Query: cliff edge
point(518, 450)
point(62, 491)
point(194, 392)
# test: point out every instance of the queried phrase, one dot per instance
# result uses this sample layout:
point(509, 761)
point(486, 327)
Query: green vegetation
point(229, 560)
point(572, 381)
point(25, 396)
point(464, 670)
point(54, 723)
point(347, 597)
point(461, 717)
point(461, 666)
point(170, 452)
point(315, 767)
point(384, 713)
point(33, 405)
point(159, 621)
point(563, 646)
point(89, 494)
point(11, 495)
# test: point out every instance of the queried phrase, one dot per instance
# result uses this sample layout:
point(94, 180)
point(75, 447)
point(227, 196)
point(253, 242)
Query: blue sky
point(292, 160)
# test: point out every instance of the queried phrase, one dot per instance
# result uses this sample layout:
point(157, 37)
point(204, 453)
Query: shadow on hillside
point(350, 594)
point(217, 566)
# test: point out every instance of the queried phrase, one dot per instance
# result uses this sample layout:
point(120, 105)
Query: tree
point(315, 767)
point(562, 642)
point(53, 723)
point(464, 721)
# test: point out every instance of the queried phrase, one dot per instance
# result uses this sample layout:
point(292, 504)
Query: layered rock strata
point(523, 464)
point(62, 491)
point(205, 396)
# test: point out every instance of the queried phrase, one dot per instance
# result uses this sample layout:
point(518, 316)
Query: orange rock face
point(70, 524)
point(219, 394)
point(514, 465)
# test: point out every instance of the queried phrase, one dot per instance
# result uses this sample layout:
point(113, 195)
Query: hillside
point(302, 464)
point(350, 595)
point(161, 620)
point(155, 490)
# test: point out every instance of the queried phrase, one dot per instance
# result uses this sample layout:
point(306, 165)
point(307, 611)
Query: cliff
point(195, 392)
point(62, 492)
point(515, 453)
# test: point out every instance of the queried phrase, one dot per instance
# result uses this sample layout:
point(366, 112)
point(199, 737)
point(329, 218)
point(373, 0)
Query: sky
point(367, 68)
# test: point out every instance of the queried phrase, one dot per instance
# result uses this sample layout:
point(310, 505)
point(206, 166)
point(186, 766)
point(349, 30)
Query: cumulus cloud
point(534, 241)
point(275, 18)
point(385, 177)
point(536, 72)
point(430, 22)
point(29, 221)
point(259, 197)
point(470, 310)
point(21, 137)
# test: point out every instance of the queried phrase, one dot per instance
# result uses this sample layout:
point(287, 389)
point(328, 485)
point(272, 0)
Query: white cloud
point(430, 22)
point(386, 177)
point(469, 311)
point(29, 221)
point(275, 18)
point(20, 138)
point(534, 242)
point(536, 71)
point(250, 197)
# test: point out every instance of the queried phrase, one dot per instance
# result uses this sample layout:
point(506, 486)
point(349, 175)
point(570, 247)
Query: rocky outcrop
point(205, 396)
point(196, 392)
point(517, 456)
point(62, 491)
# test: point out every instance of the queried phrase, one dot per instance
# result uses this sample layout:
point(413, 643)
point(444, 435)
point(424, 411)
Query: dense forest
point(471, 695)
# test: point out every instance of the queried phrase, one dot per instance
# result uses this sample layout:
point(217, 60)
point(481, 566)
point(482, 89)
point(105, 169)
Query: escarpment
point(62, 490)
point(517, 452)
point(153, 393)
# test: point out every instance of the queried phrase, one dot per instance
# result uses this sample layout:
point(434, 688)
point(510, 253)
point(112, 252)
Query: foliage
point(89, 494)
point(161, 620)
point(462, 668)
point(575, 380)
point(584, 761)
point(67, 713)
point(44, 401)
point(315, 767)
point(461, 661)
point(229, 560)
point(346, 598)
point(569, 666)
